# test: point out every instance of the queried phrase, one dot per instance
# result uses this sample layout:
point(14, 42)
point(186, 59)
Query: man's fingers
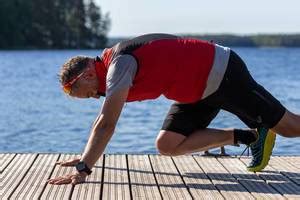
point(63, 181)
point(56, 178)
point(71, 178)
point(62, 163)
point(53, 181)
point(70, 162)
point(60, 180)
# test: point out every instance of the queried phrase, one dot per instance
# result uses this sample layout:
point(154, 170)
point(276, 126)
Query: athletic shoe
point(261, 149)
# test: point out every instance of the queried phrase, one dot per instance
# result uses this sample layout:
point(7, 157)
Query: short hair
point(72, 68)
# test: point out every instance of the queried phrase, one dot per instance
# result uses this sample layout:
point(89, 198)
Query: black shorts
point(238, 94)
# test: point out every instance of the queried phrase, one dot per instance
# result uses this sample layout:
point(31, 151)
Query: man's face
point(87, 85)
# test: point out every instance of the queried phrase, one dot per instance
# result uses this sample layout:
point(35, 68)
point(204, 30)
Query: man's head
point(78, 77)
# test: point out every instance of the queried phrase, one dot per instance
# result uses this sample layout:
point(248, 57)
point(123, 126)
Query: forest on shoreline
point(80, 24)
point(52, 24)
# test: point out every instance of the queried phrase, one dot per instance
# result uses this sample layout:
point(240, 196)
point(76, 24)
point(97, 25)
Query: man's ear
point(90, 74)
point(91, 71)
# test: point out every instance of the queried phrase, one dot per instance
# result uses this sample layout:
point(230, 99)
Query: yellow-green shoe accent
point(261, 149)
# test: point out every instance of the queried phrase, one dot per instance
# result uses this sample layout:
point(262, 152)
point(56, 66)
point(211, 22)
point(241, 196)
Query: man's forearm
point(104, 126)
point(100, 136)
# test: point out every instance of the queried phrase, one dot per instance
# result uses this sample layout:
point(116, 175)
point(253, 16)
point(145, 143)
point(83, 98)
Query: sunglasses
point(67, 87)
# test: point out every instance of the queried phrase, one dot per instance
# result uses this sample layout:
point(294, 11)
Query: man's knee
point(167, 143)
point(163, 149)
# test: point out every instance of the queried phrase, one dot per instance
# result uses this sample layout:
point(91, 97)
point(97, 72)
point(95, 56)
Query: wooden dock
point(23, 176)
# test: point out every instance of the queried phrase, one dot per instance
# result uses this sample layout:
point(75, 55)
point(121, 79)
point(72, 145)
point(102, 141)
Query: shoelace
point(248, 148)
point(248, 153)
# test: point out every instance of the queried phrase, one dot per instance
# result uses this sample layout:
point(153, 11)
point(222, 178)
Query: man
point(201, 77)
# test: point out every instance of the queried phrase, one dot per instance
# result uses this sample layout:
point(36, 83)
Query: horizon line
point(212, 33)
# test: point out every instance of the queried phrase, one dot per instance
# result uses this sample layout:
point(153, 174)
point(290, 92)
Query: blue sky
point(134, 17)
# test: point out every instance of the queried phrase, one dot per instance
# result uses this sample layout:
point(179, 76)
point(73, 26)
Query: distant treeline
point(52, 24)
point(263, 40)
point(267, 40)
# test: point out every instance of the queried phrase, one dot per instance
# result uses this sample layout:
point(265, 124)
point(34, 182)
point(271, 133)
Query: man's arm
point(119, 78)
point(101, 133)
point(104, 126)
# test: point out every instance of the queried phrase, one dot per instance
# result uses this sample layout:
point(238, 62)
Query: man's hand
point(67, 179)
point(71, 162)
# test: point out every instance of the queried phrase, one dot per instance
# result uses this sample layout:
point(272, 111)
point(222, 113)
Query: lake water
point(37, 117)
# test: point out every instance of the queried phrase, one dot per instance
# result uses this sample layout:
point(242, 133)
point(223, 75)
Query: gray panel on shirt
point(217, 71)
point(120, 74)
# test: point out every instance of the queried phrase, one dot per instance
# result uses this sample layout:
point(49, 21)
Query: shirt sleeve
point(120, 74)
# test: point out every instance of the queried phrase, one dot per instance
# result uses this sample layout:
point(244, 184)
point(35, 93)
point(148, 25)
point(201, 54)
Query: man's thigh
point(184, 119)
point(255, 106)
point(244, 97)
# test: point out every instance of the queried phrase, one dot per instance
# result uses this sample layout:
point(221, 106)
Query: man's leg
point(172, 143)
point(289, 125)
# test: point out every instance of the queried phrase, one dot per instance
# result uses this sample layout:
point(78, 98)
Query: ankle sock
point(243, 136)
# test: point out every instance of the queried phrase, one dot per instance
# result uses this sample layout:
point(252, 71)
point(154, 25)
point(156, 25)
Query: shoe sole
point(269, 145)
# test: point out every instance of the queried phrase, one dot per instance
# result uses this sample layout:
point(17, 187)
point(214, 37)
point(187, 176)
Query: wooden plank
point(196, 180)
point(60, 191)
point(253, 183)
point(5, 159)
point(91, 189)
point(287, 169)
point(14, 173)
point(34, 182)
point(278, 181)
point(229, 187)
point(143, 184)
point(294, 160)
point(116, 182)
point(170, 182)
point(24, 177)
